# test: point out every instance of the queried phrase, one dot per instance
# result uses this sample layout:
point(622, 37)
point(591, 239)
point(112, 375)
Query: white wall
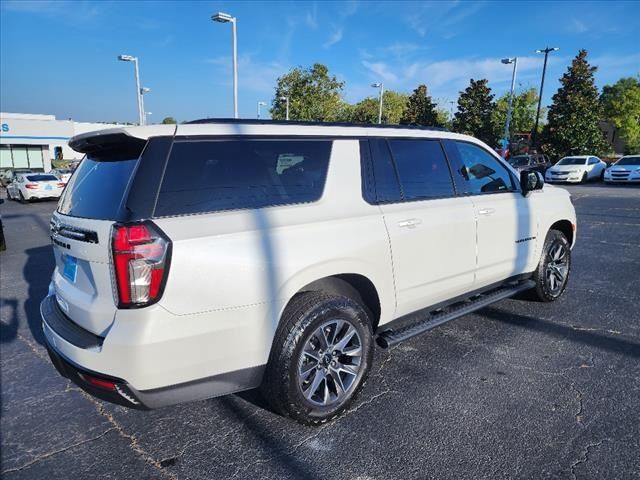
point(44, 130)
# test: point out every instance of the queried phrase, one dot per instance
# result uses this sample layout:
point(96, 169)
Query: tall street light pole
point(226, 18)
point(286, 99)
point(129, 58)
point(144, 90)
point(508, 61)
point(546, 52)
point(260, 104)
point(381, 87)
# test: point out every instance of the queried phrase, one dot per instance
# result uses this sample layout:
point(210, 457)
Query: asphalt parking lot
point(518, 390)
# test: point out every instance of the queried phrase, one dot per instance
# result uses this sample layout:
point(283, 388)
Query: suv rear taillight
point(141, 255)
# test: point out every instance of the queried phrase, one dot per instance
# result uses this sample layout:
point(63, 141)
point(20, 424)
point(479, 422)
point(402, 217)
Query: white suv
point(203, 259)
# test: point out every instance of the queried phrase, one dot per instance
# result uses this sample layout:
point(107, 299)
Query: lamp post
point(508, 61)
point(226, 18)
point(144, 90)
point(534, 134)
point(129, 58)
point(381, 87)
point(286, 99)
point(258, 105)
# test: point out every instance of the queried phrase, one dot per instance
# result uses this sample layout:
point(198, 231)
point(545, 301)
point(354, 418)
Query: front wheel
point(585, 177)
point(552, 273)
point(321, 356)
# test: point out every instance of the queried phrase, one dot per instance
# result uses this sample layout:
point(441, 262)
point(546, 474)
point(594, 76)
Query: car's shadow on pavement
point(571, 333)
point(37, 273)
point(274, 444)
point(9, 331)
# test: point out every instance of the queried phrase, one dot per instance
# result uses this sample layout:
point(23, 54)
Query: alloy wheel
point(330, 362)
point(557, 267)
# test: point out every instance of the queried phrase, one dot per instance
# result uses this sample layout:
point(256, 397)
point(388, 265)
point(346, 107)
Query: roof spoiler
point(109, 144)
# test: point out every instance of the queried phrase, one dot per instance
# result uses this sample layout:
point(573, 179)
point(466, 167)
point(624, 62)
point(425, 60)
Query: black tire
point(545, 290)
point(21, 197)
point(304, 316)
point(602, 176)
point(585, 178)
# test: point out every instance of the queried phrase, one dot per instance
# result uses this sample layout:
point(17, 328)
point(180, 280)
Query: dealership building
point(33, 141)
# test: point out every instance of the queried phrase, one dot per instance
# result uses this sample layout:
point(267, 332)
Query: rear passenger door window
point(214, 175)
point(477, 171)
point(422, 168)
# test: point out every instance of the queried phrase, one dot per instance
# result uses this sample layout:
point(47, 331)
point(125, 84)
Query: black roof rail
point(251, 121)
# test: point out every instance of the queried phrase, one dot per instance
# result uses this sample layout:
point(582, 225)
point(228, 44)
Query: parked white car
point(576, 169)
point(625, 170)
point(26, 187)
point(202, 259)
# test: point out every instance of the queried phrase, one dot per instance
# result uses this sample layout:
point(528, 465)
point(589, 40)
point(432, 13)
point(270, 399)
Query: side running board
point(424, 320)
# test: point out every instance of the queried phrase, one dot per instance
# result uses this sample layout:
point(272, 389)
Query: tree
point(394, 105)
point(573, 120)
point(421, 110)
point(621, 106)
point(523, 114)
point(313, 95)
point(168, 121)
point(443, 118)
point(475, 115)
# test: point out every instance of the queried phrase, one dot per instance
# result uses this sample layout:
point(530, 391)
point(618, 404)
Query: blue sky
point(59, 57)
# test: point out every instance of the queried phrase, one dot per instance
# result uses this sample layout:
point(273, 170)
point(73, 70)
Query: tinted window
point(41, 178)
point(593, 160)
point(572, 161)
point(422, 169)
point(386, 181)
point(96, 189)
point(207, 176)
point(519, 161)
point(481, 171)
point(628, 161)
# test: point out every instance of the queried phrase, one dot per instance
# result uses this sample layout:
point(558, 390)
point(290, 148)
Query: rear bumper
point(43, 194)
point(120, 394)
point(83, 357)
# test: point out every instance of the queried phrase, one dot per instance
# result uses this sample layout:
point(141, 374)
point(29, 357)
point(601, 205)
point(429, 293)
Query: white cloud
point(253, 76)
point(380, 71)
point(576, 26)
point(311, 17)
point(334, 38)
point(445, 78)
point(70, 10)
point(441, 18)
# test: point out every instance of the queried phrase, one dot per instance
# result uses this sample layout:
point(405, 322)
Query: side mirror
point(530, 180)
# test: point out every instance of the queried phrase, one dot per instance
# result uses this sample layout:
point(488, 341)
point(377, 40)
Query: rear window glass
point(42, 178)
point(96, 189)
point(208, 176)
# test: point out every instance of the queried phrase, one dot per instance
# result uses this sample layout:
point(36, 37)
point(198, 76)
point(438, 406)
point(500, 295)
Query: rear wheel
point(321, 356)
point(21, 197)
point(552, 273)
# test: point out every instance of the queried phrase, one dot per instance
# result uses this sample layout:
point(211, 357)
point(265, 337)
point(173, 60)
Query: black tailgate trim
point(54, 317)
